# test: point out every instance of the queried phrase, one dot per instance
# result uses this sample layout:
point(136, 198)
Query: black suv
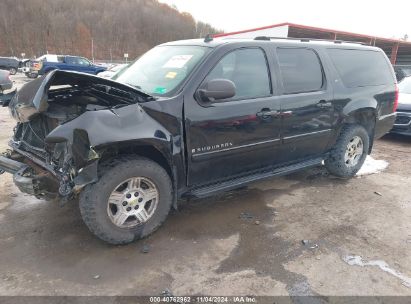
point(10, 64)
point(194, 118)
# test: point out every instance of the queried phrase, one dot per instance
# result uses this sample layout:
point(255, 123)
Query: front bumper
point(6, 86)
point(21, 176)
point(10, 166)
point(402, 124)
point(30, 179)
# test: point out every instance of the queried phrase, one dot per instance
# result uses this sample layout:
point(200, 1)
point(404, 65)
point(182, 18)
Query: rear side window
point(360, 68)
point(71, 60)
point(300, 69)
point(248, 69)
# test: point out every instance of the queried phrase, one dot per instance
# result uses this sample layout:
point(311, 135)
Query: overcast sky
point(372, 17)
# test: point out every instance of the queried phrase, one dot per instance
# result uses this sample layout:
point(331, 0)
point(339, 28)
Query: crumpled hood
point(404, 102)
point(32, 98)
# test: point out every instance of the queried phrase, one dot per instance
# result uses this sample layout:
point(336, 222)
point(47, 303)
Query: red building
point(398, 51)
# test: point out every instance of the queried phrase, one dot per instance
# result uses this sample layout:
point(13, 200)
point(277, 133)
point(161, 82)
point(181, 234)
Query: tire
point(339, 162)
point(13, 71)
point(97, 213)
point(32, 75)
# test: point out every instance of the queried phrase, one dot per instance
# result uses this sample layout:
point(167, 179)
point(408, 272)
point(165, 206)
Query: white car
point(113, 70)
point(402, 123)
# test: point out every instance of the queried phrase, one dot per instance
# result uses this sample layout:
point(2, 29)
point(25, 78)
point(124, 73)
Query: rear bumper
point(402, 124)
point(384, 125)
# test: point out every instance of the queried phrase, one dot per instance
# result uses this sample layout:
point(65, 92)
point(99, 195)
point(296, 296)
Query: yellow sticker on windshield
point(171, 75)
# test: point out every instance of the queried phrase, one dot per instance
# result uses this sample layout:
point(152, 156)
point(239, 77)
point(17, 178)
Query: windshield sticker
point(160, 90)
point(171, 75)
point(177, 61)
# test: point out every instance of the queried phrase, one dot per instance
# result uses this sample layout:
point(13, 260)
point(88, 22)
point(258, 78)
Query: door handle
point(266, 113)
point(323, 104)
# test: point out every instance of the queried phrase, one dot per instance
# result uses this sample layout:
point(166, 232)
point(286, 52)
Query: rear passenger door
point(306, 103)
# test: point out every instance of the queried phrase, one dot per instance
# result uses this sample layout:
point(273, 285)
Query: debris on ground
point(145, 249)
point(317, 175)
point(311, 244)
point(257, 222)
point(246, 216)
point(167, 293)
point(372, 166)
point(378, 193)
point(96, 277)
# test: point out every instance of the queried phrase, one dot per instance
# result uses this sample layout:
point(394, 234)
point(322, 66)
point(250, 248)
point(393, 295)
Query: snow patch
point(372, 166)
point(353, 260)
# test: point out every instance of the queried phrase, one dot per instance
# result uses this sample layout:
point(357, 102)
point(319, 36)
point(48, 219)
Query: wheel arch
point(153, 150)
point(365, 117)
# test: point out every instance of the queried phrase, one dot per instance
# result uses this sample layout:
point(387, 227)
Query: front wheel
point(348, 155)
point(130, 201)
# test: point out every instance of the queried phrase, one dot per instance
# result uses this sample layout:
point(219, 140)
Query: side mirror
point(217, 89)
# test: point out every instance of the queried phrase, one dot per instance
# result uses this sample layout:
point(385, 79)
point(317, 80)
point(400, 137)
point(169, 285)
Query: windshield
point(162, 69)
point(405, 85)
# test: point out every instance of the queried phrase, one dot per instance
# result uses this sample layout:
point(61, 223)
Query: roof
point(280, 41)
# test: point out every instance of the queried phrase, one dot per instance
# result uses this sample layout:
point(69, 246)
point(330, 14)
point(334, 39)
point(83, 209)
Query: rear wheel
point(13, 71)
point(130, 201)
point(349, 152)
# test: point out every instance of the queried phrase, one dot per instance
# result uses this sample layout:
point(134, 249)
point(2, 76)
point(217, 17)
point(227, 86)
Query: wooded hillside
point(114, 27)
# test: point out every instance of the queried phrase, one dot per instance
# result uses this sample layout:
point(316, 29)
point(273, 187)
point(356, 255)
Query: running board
point(244, 180)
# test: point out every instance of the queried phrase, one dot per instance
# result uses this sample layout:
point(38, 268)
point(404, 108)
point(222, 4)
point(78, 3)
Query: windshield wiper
point(151, 97)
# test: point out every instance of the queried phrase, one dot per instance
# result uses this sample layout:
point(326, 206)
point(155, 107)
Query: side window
point(83, 61)
point(70, 60)
point(300, 70)
point(248, 69)
point(361, 68)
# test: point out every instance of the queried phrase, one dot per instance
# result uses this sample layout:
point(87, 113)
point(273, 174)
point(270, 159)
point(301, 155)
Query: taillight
point(396, 99)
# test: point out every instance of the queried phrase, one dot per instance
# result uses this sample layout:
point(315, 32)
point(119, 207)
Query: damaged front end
point(51, 153)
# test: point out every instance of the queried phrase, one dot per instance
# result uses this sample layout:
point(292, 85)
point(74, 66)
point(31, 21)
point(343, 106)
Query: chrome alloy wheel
point(355, 149)
point(133, 202)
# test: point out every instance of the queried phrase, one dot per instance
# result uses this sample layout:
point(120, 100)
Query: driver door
point(239, 134)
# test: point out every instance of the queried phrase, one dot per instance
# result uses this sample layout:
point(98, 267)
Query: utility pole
point(92, 49)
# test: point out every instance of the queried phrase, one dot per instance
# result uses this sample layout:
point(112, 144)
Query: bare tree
point(116, 27)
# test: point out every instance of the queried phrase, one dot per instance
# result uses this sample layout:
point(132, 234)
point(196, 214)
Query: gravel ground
point(357, 239)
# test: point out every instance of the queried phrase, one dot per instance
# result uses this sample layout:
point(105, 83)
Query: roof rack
point(308, 40)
